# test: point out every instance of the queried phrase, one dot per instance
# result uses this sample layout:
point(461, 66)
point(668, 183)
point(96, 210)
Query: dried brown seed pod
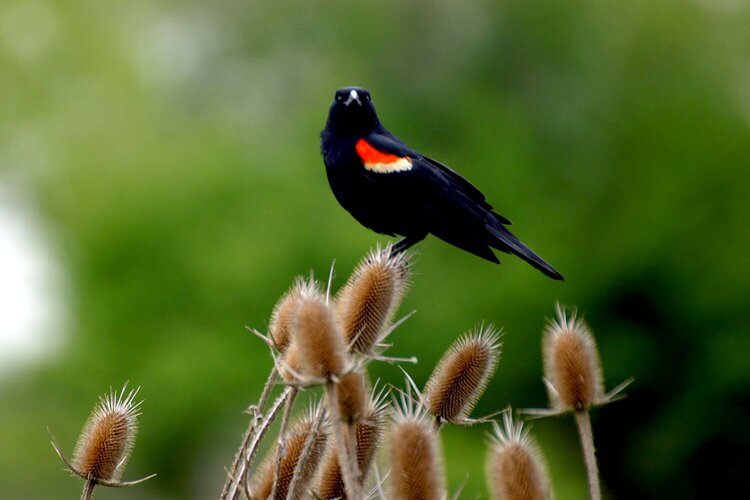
point(515, 467)
point(416, 460)
point(462, 375)
point(280, 325)
point(367, 303)
point(571, 364)
point(107, 439)
point(316, 332)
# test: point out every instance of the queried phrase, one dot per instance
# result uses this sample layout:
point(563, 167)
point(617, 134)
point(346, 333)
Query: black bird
point(391, 189)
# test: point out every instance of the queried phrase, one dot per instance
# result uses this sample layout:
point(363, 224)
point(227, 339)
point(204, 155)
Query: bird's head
point(352, 112)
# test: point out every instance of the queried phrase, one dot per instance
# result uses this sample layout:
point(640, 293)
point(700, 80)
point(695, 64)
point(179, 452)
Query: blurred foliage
point(173, 148)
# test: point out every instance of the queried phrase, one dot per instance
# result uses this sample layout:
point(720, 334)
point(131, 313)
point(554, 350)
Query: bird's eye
point(339, 98)
point(367, 97)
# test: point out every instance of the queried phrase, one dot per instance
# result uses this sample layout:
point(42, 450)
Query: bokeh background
point(161, 185)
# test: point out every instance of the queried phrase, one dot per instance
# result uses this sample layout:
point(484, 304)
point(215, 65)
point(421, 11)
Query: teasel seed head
point(351, 395)
point(367, 303)
point(369, 434)
point(462, 375)
point(280, 325)
point(107, 439)
point(262, 483)
point(290, 364)
point(515, 467)
point(572, 368)
point(317, 334)
point(416, 461)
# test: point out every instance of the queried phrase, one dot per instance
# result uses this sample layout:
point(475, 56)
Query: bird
point(393, 190)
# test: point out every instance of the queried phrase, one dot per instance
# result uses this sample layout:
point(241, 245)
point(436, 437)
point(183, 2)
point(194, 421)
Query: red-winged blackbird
point(391, 189)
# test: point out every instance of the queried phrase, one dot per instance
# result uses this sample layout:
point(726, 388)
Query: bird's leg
point(406, 242)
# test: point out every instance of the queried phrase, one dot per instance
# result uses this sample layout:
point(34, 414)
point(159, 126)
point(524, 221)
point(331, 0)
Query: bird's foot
point(405, 243)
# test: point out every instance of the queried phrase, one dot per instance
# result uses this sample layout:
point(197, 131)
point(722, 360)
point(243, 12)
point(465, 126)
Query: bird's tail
point(505, 241)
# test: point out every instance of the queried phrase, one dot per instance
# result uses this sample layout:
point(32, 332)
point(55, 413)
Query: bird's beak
point(353, 96)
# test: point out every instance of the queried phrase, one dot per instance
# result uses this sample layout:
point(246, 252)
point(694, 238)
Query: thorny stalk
point(347, 463)
point(583, 422)
point(281, 448)
point(249, 453)
point(256, 412)
point(88, 489)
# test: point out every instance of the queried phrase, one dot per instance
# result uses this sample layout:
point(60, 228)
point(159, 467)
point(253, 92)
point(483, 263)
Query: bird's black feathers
point(392, 189)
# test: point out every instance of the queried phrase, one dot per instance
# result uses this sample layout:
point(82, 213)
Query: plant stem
point(88, 489)
point(249, 451)
point(281, 448)
point(257, 414)
point(589, 454)
point(346, 463)
point(352, 452)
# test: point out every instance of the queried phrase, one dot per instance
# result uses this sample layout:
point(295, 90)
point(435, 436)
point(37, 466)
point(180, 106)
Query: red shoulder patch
point(380, 162)
point(369, 154)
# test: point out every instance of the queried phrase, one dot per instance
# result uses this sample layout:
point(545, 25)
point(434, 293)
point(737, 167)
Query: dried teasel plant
point(106, 442)
point(288, 364)
point(320, 351)
point(461, 376)
point(368, 301)
point(515, 466)
point(573, 375)
point(316, 342)
point(415, 455)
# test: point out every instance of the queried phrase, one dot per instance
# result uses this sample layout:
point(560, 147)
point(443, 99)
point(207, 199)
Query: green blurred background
point(163, 160)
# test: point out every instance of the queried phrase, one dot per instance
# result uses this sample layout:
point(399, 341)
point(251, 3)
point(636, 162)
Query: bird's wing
point(440, 178)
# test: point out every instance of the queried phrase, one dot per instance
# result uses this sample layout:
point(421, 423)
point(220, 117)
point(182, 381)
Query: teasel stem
point(266, 394)
point(320, 414)
point(88, 489)
point(282, 438)
point(351, 453)
point(233, 490)
point(272, 414)
point(267, 482)
point(257, 414)
point(583, 422)
point(347, 461)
